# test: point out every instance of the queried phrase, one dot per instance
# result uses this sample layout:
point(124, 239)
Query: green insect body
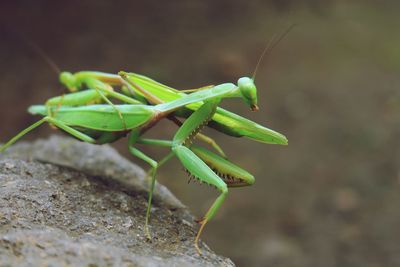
point(102, 124)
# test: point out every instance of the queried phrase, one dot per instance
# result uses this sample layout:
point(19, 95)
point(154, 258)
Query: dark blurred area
point(330, 198)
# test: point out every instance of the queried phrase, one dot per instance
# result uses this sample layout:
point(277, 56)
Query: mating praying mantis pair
point(88, 114)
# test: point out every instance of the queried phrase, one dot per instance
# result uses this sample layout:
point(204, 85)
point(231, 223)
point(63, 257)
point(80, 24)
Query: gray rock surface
point(87, 208)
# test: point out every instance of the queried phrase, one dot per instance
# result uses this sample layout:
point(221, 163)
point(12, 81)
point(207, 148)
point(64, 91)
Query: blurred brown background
point(330, 198)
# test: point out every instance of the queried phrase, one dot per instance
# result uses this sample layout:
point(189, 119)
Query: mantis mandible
point(102, 124)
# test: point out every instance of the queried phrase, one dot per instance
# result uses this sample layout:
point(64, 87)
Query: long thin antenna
point(35, 48)
point(267, 47)
point(41, 53)
point(270, 45)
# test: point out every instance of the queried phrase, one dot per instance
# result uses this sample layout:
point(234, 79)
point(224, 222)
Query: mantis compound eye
point(249, 92)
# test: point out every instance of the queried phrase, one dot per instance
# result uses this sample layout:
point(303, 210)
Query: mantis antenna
point(270, 45)
point(35, 48)
point(42, 54)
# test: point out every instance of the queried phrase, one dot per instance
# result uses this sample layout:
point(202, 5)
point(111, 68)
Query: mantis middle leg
point(133, 138)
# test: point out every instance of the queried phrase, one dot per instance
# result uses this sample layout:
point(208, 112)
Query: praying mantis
point(100, 123)
point(87, 114)
point(147, 90)
point(150, 91)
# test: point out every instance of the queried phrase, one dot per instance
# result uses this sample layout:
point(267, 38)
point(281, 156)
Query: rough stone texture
point(89, 211)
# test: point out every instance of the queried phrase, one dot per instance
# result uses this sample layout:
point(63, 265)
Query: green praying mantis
point(87, 114)
point(100, 123)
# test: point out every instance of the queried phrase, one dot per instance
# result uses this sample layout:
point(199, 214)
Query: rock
point(87, 208)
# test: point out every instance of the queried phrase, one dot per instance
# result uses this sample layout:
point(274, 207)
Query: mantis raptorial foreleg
point(202, 137)
point(194, 164)
point(133, 138)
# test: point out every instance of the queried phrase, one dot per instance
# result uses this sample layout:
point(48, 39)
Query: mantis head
point(246, 85)
point(69, 80)
point(248, 91)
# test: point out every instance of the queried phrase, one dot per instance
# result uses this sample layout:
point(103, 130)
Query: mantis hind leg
point(197, 167)
point(53, 121)
point(133, 138)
